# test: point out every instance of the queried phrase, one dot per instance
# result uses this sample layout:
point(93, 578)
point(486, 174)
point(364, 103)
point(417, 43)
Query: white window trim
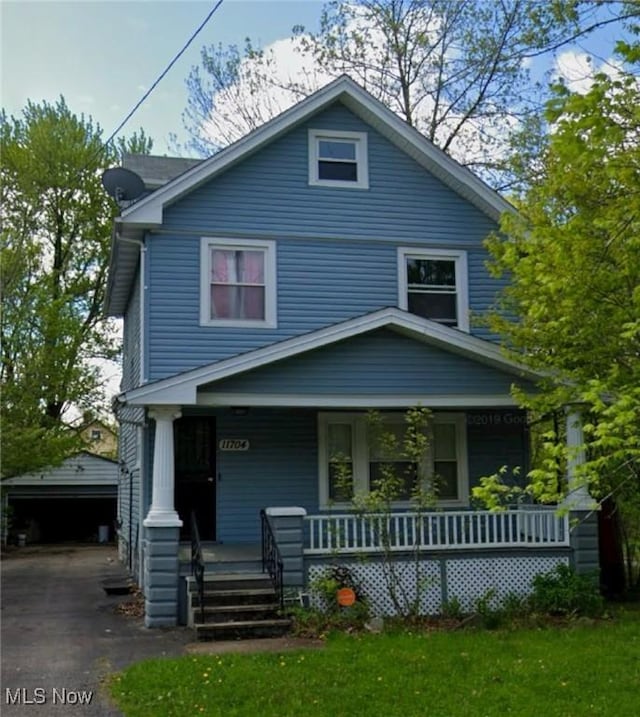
point(359, 424)
point(270, 278)
point(462, 278)
point(360, 141)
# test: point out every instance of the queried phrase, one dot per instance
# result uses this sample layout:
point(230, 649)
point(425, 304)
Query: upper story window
point(338, 159)
point(433, 284)
point(238, 283)
point(353, 461)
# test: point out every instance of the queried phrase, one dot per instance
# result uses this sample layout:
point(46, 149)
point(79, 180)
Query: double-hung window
point(433, 284)
point(354, 460)
point(238, 283)
point(338, 159)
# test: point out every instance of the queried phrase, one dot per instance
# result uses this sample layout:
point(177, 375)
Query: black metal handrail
point(271, 558)
point(197, 563)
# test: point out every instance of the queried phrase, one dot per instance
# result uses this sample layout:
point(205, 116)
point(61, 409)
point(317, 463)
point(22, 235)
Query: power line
point(164, 73)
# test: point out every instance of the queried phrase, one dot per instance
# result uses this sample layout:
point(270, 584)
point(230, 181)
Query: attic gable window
point(432, 283)
point(338, 159)
point(238, 283)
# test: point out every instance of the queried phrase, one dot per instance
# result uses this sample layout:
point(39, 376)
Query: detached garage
point(75, 501)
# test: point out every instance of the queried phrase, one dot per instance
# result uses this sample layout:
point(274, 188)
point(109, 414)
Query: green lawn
point(586, 669)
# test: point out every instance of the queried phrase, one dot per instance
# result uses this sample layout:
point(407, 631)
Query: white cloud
point(263, 91)
point(578, 69)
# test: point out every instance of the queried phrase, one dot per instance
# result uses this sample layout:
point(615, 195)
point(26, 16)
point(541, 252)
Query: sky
point(102, 55)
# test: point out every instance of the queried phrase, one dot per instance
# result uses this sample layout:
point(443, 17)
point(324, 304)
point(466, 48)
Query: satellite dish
point(122, 184)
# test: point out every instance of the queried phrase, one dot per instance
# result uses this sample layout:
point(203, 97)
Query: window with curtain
point(238, 283)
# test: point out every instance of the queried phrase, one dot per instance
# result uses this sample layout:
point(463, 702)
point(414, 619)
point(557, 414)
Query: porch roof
point(197, 387)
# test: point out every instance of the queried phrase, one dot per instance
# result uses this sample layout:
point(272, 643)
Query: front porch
point(438, 557)
point(446, 555)
point(270, 429)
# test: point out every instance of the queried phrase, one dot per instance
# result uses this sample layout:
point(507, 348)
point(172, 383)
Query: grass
point(577, 671)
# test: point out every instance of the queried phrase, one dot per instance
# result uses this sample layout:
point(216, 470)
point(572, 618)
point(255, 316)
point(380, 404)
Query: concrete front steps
point(237, 606)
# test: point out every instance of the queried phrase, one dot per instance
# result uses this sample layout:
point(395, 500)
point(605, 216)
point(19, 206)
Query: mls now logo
point(40, 696)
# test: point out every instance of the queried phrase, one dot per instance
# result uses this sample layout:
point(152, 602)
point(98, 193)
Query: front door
point(195, 477)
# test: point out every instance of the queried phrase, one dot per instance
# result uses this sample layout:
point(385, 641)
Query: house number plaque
point(234, 444)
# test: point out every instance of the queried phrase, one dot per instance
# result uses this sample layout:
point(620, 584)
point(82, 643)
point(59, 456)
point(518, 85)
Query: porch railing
point(459, 530)
point(197, 563)
point(271, 558)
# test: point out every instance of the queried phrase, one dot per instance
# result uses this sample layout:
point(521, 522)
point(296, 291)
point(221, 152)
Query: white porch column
point(162, 513)
point(578, 497)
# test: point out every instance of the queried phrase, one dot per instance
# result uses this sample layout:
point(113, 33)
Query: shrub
point(452, 609)
point(327, 583)
point(514, 606)
point(562, 591)
point(491, 616)
point(314, 622)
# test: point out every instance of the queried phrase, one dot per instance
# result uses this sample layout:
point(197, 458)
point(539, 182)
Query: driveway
point(61, 634)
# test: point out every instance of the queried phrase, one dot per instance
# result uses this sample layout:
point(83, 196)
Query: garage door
point(56, 517)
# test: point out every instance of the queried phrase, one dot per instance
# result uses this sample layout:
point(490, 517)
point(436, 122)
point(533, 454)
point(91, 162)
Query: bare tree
point(457, 70)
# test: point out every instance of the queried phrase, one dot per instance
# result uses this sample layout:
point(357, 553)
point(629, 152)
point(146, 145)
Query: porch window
point(445, 459)
point(340, 461)
point(433, 284)
point(352, 460)
point(238, 283)
point(338, 159)
point(384, 462)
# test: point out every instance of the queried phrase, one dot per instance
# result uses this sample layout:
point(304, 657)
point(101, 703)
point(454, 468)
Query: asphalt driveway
point(61, 634)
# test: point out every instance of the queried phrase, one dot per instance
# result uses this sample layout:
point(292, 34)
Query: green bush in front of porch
point(590, 668)
point(399, 475)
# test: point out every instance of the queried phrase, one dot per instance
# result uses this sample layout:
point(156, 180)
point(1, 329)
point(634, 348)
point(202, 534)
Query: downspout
point(143, 293)
point(142, 375)
point(130, 517)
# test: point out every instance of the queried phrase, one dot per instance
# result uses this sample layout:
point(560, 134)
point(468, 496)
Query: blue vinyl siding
point(336, 248)
point(131, 340)
point(269, 194)
point(129, 481)
point(281, 466)
point(380, 363)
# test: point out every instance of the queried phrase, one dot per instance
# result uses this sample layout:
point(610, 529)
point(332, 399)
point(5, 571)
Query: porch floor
point(223, 552)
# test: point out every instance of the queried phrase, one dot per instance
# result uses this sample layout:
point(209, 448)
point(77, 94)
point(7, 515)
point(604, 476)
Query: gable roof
point(81, 468)
point(147, 212)
point(183, 388)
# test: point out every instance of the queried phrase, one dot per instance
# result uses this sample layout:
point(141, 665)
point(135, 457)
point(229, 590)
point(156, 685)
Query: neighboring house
point(74, 501)
point(328, 263)
point(99, 438)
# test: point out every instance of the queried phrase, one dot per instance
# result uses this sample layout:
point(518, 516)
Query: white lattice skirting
point(466, 579)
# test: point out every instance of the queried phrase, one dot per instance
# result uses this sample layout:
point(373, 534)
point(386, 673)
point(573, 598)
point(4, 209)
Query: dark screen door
point(195, 476)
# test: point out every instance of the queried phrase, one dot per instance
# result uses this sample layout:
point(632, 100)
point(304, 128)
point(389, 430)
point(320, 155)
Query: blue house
point(328, 263)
